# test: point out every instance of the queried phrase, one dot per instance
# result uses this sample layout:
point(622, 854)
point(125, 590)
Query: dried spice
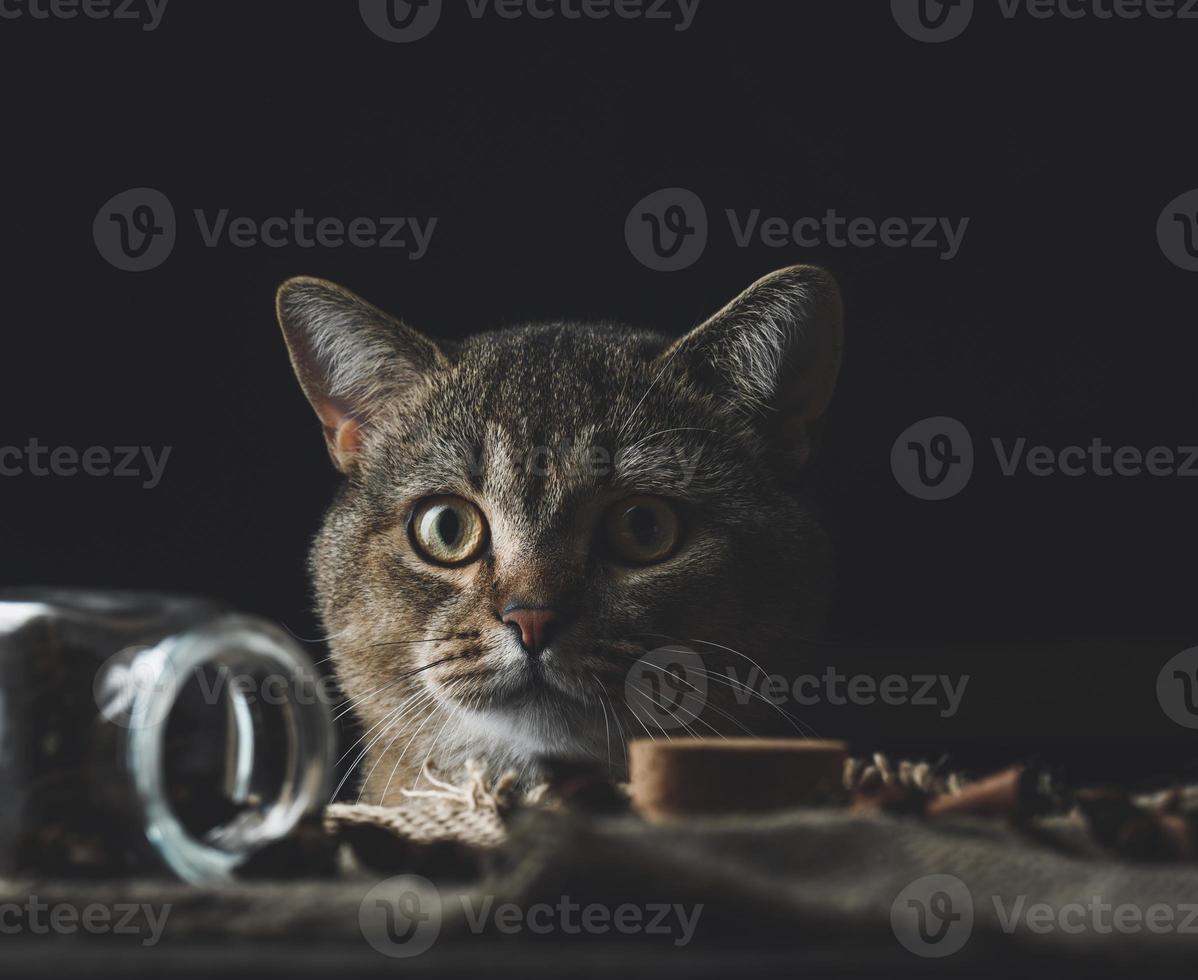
point(118, 757)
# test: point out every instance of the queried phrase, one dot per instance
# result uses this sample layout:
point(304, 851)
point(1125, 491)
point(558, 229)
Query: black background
point(1060, 320)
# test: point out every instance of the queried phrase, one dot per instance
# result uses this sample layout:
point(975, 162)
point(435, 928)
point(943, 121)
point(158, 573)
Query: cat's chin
point(527, 719)
point(529, 686)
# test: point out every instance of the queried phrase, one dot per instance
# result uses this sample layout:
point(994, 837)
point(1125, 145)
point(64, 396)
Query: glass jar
point(145, 731)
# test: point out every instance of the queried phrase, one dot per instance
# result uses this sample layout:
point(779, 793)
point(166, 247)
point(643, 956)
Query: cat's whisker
point(397, 714)
point(797, 724)
point(801, 727)
point(652, 704)
point(373, 729)
point(661, 432)
point(428, 755)
point(761, 670)
point(657, 377)
point(690, 731)
point(320, 639)
point(361, 755)
point(398, 724)
point(707, 704)
point(352, 703)
point(674, 717)
point(428, 701)
point(606, 724)
point(406, 704)
point(386, 718)
point(428, 715)
point(619, 726)
point(466, 635)
point(424, 706)
point(468, 708)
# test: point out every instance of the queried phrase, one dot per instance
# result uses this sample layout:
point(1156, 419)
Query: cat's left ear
point(352, 360)
point(773, 353)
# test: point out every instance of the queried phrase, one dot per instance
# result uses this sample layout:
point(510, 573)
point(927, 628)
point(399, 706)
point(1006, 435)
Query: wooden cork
point(684, 777)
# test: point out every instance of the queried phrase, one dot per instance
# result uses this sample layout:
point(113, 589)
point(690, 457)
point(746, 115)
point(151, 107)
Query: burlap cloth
point(471, 812)
point(814, 885)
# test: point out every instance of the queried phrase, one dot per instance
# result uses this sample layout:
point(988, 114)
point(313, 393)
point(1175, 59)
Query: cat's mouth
point(531, 683)
point(534, 681)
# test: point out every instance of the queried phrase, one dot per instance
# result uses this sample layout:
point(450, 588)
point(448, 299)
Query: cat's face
point(526, 513)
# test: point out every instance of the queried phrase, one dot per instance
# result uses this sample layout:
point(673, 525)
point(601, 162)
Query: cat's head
point(526, 512)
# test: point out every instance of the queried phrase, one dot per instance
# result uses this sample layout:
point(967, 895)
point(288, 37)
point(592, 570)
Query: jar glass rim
point(246, 644)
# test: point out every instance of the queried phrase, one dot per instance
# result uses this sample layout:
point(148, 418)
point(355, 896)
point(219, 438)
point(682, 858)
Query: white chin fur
point(515, 739)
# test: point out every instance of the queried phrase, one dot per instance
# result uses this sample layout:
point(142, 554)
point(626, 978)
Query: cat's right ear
point(351, 359)
point(773, 354)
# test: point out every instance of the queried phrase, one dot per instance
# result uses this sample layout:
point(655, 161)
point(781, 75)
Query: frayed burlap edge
point(471, 812)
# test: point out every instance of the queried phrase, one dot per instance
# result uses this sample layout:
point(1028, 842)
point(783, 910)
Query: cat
point(532, 517)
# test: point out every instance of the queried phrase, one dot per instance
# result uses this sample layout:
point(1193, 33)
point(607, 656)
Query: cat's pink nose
point(535, 625)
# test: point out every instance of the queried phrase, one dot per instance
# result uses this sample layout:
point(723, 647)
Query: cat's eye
point(642, 530)
point(448, 530)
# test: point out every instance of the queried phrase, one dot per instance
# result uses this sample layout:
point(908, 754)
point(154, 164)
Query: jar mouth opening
point(229, 745)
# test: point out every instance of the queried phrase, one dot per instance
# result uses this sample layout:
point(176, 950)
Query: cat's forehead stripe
point(534, 418)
